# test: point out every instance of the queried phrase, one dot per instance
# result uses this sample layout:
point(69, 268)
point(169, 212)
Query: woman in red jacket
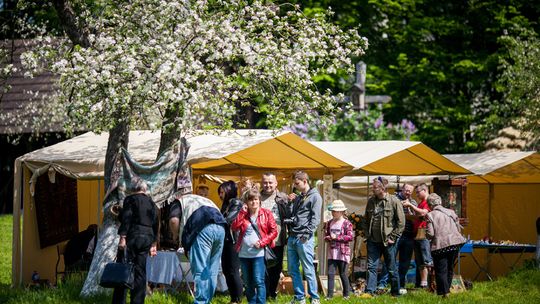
point(257, 229)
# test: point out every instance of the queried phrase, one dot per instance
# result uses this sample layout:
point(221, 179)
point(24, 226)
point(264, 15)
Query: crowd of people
point(253, 218)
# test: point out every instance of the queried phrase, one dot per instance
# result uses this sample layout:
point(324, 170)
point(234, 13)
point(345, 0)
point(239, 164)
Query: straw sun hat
point(337, 205)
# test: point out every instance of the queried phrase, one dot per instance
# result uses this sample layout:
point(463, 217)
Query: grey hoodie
point(305, 212)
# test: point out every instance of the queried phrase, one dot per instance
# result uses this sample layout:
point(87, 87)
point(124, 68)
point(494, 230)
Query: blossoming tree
point(177, 65)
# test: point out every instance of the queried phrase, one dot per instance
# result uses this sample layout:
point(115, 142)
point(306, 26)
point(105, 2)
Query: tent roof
point(238, 152)
point(501, 167)
point(391, 158)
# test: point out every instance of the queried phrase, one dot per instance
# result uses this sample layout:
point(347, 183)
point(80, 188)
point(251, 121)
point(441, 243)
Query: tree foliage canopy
point(202, 61)
point(520, 84)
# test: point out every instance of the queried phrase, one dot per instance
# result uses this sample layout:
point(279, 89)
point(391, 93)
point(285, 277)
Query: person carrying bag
point(257, 231)
point(270, 257)
point(138, 233)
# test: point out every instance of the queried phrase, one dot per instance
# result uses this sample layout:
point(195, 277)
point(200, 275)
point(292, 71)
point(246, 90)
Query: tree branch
point(77, 32)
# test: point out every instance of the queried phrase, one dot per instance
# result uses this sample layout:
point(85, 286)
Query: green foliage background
point(442, 64)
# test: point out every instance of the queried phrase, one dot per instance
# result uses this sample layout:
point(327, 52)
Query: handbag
point(420, 234)
point(270, 257)
point(118, 274)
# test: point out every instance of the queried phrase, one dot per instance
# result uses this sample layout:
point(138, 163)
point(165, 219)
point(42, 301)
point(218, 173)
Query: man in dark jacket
point(139, 232)
point(383, 224)
point(275, 201)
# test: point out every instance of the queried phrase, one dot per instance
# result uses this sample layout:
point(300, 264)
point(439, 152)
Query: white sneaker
point(402, 291)
point(294, 301)
point(315, 301)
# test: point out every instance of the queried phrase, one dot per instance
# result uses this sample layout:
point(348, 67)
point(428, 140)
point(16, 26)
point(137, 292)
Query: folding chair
point(60, 249)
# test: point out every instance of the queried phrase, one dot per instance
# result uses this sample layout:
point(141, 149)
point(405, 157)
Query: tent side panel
point(90, 194)
point(89, 197)
point(33, 257)
point(478, 213)
point(515, 208)
point(19, 174)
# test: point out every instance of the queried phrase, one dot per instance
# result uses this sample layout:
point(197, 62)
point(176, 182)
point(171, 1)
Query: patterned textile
point(161, 177)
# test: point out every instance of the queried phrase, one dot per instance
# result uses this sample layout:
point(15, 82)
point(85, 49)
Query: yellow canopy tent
point(233, 153)
point(503, 202)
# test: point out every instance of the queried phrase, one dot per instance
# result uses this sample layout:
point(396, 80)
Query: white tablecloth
point(164, 268)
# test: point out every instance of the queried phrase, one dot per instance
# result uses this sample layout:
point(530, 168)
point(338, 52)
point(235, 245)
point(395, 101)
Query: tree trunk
point(107, 243)
point(77, 32)
point(118, 138)
point(169, 134)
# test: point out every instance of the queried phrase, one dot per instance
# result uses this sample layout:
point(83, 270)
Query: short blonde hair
point(138, 185)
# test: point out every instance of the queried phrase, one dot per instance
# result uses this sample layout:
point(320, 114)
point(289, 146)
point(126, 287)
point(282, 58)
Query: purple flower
point(378, 122)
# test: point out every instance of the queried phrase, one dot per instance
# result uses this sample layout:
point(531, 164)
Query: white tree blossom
point(203, 59)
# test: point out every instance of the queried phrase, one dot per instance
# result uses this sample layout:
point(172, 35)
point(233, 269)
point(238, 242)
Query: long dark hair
point(231, 191)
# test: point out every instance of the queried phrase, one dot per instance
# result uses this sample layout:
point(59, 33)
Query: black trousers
point(137, 251)
point(341, 267)
point(444, 270)
point(273, 273)
point(230, 263)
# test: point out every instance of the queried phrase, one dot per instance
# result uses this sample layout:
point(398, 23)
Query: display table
point(501, 250)
point(164, 268)
point(173, 268)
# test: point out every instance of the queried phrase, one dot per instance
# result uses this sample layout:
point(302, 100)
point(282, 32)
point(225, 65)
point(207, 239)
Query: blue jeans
point(382, 277)
point(422, 253)
point(253, 274)
point(298, 252)
point(374, 251)
point(204, 256)
point(405, 250)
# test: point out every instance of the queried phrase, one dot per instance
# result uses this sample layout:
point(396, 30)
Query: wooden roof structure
point(19, 101)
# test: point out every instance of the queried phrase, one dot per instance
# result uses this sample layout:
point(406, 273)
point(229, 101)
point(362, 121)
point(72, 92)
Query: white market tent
point(388, 158)
point(503, 201)
point(501, 167)
point(391, 157)
point(234, 153)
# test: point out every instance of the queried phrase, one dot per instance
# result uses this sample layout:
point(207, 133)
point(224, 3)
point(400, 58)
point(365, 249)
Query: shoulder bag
point(118, 274)
point(269, 256)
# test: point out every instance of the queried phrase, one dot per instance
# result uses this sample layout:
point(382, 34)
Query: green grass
point(6, 231)
point(522, 286)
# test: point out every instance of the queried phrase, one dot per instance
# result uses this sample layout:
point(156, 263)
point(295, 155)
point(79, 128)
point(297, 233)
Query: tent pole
point(489, 217)
point(18, 188)
point(98, 203)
